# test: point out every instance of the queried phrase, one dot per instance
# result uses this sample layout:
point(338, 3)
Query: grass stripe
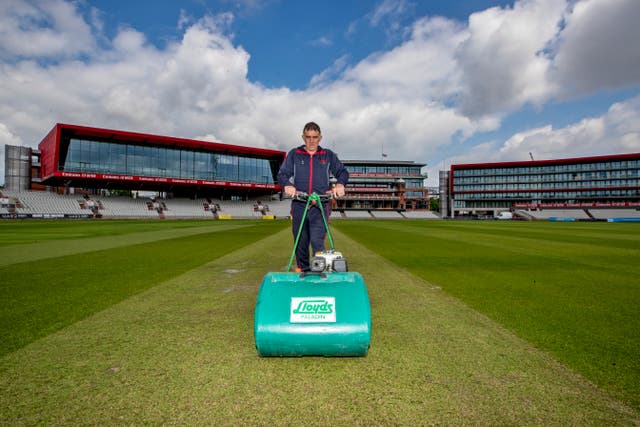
point(182, 353)
point(43, 296)
point(563, 287)
point(41, 241)
point(16, 232)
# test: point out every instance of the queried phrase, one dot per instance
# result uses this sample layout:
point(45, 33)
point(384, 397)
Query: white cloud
point(43, 29)
point(390, 15)
point(599, 47)
point(421, 68)
point(184, 20)
point(330, 73)
point(543, 49)
point(249, 7)
point(617, 131)
point(503, 61)
point(96, 19)
point(321, 42)
point(129, 41)
point(389, 10)
point(6, 138)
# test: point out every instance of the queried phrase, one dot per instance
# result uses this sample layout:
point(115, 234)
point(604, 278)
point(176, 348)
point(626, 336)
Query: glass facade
point(571, 182)
point(91, 156)
point(414, 183)
point(386, 169)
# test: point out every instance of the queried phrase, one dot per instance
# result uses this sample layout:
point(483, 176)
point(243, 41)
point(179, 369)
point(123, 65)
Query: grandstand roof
point(126, 136)
point(528, 163)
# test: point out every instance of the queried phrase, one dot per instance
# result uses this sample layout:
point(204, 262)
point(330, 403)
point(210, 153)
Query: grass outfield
point(177, 347)
point(571, 289)
point(56, 273)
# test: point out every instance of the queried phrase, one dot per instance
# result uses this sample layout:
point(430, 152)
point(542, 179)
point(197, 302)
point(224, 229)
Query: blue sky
point(291, 41)
point(439, 82)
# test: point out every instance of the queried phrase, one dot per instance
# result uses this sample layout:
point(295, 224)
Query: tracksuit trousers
point(313, 231)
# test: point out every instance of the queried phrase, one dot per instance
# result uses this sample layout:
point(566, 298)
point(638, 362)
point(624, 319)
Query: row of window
point(558, 177)
point(503, 204)
point(461, 204)
point(413, 183)
point(549, 185)
point(555, 195)
point(370, 185)
point(105, 157)
point(383, 180)
point(574, 167)
point(397, 170)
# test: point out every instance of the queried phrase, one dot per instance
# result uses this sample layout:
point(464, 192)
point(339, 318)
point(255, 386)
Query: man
point(306, 169)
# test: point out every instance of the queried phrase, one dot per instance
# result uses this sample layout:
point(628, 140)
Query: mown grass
point(44, 295)
point(568, 288)
point(182, 353)
point(25, 232)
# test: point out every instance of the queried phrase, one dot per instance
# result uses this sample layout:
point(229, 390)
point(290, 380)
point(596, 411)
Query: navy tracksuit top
point(311, 173)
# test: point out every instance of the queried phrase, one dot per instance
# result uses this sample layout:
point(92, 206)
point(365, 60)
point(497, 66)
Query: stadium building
point(578, 188)
point(384, 185)
point(83, 162)
point(83, 157)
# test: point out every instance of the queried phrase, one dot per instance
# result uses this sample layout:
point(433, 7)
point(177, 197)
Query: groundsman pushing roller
point(322, 309)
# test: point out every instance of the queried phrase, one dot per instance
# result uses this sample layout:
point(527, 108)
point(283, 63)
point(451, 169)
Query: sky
point(437, 82)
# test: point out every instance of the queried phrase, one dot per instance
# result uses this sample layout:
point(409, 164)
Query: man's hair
point(311, 126)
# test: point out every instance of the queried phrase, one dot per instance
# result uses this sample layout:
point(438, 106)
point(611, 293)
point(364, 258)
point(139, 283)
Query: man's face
point(311, 139)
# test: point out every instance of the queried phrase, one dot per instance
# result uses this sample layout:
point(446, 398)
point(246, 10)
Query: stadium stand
point(238, 208)
point(546, 214)
point(188, 208)
point(523, 215)
point(280, 208)
point(5, 202)
point(614, 213)
point(48, 204)
point(40, 204)
point(386, 215)
point(337, 215)
point(126, 207)
point(420, 215)
point(358, 215)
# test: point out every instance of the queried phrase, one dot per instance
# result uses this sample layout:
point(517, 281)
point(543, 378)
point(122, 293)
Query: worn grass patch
point(183, 353)
point(569, 288)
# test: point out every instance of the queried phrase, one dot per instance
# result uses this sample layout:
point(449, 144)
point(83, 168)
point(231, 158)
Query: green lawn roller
point(324, 312)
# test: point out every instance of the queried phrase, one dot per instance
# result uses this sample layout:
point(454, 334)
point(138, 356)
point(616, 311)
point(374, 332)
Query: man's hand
point(338, 190)
point(290, 190)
